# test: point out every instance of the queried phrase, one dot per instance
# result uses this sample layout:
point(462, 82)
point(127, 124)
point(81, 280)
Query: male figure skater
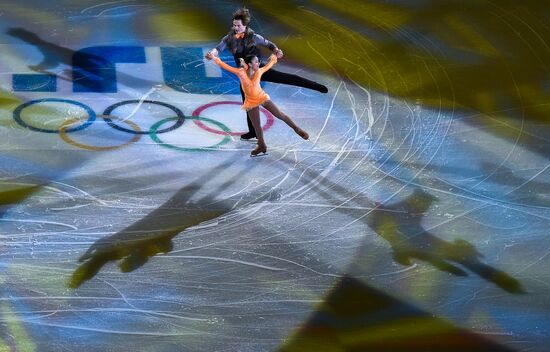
point(242, 41)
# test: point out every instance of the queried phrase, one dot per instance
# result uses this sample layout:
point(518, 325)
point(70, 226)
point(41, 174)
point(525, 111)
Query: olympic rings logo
point(77, 124)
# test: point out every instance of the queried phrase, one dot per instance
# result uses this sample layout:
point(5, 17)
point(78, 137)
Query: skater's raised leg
point(272, 108)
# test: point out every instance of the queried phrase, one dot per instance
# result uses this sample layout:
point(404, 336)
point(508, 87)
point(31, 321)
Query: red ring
point(199, 110)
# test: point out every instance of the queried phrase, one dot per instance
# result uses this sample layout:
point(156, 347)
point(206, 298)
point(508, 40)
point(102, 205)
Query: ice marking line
point(83, 298)
point(224, 260)
point(354, 168)
point(535, 261)
point(140, 102)
point(107, 331)
point(242, 190)
point(320, 55)
point(362, 68)
point(321, 175)
point(120, 293)
point(73, 207)
point(370, 115)
point(284, 260)
point(82, 191)
point(287, 174)
point(529, 180)
point(117, 8)
point(489, 199)
point(331, 206)
point(441, 223)
point(103, 4)
point(408, 268)
point(481, 198)
point(267, 301)
point(358, 135)
point(257, 196)
point(111, 309)
point(328, 114)
point(153, 314)
point(41, 222)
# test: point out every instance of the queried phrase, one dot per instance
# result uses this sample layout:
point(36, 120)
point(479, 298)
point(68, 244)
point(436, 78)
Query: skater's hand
point(273, 58)
point(278, 53)
point(211, 54)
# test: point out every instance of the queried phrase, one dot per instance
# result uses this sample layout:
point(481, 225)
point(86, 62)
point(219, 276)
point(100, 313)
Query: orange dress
point(254, 95)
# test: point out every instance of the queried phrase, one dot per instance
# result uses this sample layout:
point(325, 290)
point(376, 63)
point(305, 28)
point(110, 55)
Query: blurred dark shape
point(54, 55)
point(92, 69)
point(355, 317)
point(527, 192)
point(400, 225)
point(152, 235)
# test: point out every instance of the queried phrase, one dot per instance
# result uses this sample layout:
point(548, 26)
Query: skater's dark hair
point(248, 59)
point(242, 14)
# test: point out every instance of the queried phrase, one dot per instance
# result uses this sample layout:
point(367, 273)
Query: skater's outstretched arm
point(272, 61)
point(261, 41)
point(257, 39)
point(237, 71)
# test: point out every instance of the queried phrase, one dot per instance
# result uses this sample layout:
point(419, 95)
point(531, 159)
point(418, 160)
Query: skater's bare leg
point(272, 108)
point(254, 115)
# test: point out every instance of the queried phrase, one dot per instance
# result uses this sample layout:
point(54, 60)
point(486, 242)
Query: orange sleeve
point(272, 61)
point(226, 66)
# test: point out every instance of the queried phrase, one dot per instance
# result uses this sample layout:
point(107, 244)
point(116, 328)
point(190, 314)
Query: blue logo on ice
point(94, 71)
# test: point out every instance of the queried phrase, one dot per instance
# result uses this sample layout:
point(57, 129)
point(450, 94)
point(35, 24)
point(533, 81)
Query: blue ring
point(19, 120)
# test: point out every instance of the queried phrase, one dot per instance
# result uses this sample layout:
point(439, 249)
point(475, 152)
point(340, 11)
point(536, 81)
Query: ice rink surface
point(415, 218)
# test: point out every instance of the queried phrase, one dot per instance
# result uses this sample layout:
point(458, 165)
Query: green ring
point(154, 136)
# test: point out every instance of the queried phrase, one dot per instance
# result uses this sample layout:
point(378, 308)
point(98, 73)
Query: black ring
point(179, 114)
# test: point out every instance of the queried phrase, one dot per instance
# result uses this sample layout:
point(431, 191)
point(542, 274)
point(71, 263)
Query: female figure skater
point(249, 74)
point(241, 41)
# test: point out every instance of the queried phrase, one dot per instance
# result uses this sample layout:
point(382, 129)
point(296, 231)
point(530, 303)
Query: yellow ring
point(65, 137)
